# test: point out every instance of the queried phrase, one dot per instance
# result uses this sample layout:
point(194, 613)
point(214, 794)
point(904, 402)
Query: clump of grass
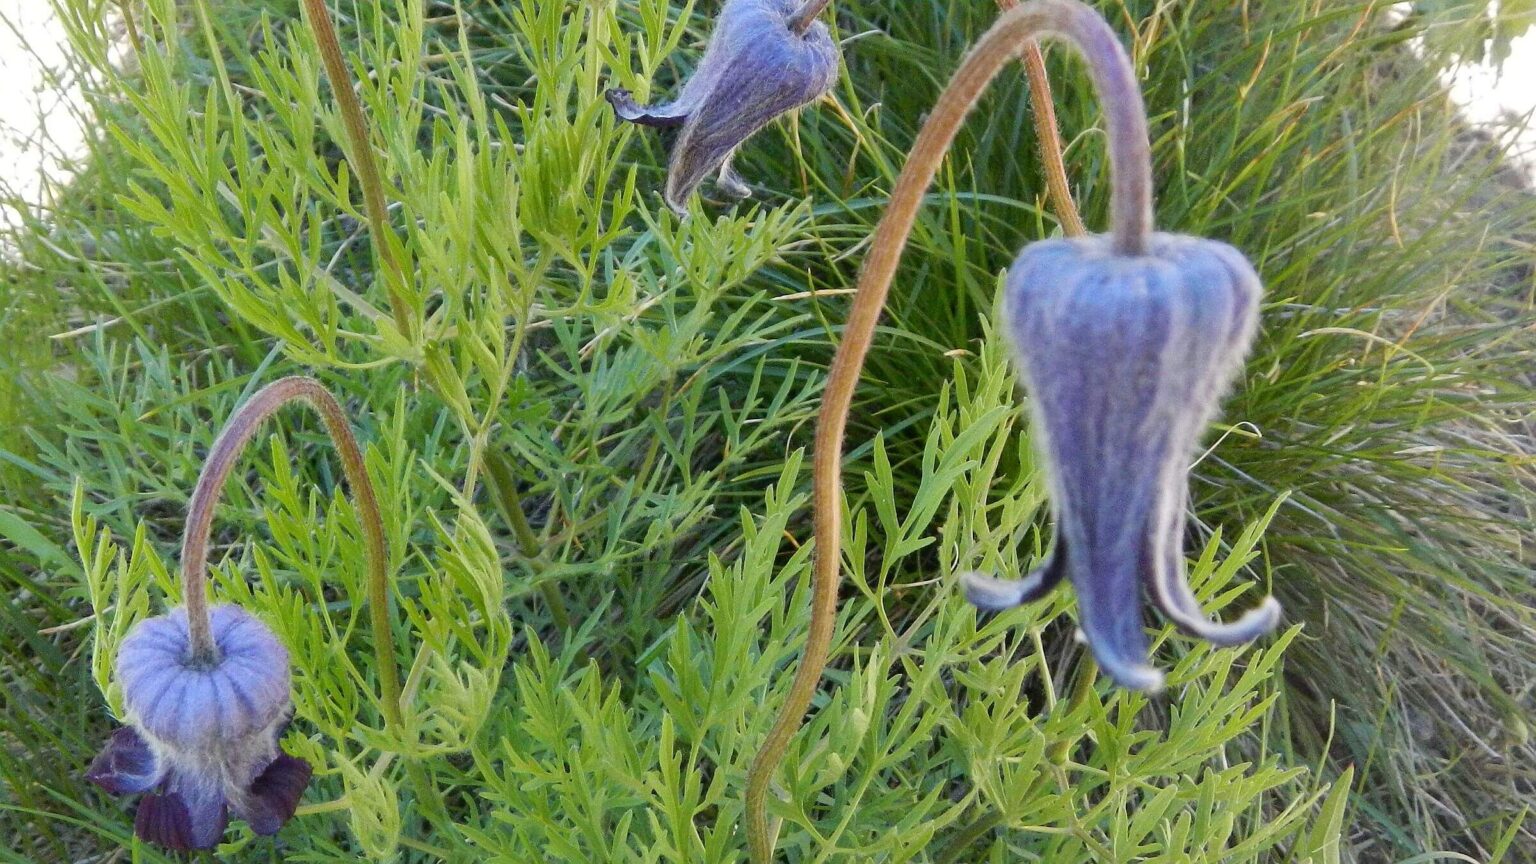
point(646, 387)
point(1384, 396)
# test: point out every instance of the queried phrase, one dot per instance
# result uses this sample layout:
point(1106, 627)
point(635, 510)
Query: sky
point(30, 43)
point(1485, 94)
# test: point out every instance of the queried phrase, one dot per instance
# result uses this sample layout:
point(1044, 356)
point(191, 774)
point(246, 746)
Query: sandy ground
point(41, 125)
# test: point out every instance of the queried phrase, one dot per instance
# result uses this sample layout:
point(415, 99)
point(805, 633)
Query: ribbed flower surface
point(202, 739)
point(1125, 360)
point(755, 69)
point(187, 705)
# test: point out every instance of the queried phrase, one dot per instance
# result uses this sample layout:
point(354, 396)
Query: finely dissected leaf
point(592, 443)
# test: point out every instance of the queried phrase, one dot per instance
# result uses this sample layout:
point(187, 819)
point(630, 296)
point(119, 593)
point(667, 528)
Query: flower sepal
point(757, 67)
point(201, 743)
point(1126, 358)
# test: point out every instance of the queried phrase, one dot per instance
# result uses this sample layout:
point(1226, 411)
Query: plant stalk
point(362, 158)
point(226, 450)
point(806, 15)
point(1053, 162)
point(125, 8)
point(1131, 216)
point(967, 837)
point(503, 483)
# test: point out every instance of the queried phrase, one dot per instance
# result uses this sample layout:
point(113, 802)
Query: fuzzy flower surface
point(1126, 359)
point(755, 69)
point(202, 737)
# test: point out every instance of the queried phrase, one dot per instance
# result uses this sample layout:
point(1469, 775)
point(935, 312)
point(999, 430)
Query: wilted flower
point(202, 734)
point(1126, 358)
point(763, 60)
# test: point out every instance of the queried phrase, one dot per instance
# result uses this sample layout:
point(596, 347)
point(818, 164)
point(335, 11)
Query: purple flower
point(757, 67)
point(202, 737)
point(1126, 359)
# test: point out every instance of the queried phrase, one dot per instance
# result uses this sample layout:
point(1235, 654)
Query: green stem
point(1131, 216)
point(503, 483)
point(361, 154)
point(226, 450)
point(129, 26)
point(1082, 692)
point(967, 837)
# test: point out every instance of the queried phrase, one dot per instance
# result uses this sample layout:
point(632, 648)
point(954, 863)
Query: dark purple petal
point(624, 105)
point(125, 765)
point(1170, 589)
point(1093, 387)
point(994, 594)
point(1222, 293)
point(275, 794)
point(202, 798)
point(163, 821)
point(1106, 571)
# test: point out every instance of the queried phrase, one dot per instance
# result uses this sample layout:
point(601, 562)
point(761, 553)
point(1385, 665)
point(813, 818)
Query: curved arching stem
point(363, 163)
point(1131, 216)
point(1041, 105)
point(225, 452)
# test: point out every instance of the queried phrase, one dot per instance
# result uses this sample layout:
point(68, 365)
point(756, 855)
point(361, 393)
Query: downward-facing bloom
point(1126, 343)
point(202, 734)
point(762, 61)
point(1126, 358)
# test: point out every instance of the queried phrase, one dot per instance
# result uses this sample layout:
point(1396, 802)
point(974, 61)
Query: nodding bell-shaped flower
point(766, 58)
point(1126, 342)
point(202, 734)
point(1126, 358)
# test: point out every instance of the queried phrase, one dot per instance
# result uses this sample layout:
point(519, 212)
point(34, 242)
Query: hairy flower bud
point(202, 736)
point(1126, 358)
point(757, 67)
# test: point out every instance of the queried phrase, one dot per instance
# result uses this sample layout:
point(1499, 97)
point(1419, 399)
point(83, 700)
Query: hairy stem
point(1131, 210)
point(1052, 161)
point(226, 450)
point(362, 158)
point(803, 18)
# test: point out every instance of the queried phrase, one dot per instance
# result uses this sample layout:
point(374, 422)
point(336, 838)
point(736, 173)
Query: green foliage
point(1386, 396)
point(649, 385)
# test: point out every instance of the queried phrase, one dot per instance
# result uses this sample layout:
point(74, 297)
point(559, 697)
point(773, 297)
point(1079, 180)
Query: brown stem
point(226, 450)
point(1053, 162)
point(362, 158)
point(805, 15)
point(1131, 210)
